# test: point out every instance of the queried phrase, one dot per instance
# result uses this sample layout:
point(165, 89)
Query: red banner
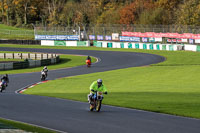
point(160, 35)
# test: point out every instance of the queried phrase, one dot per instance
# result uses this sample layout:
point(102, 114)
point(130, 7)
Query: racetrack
point(75, 117)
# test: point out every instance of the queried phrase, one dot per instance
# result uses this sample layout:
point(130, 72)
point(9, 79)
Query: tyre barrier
point(30, 60)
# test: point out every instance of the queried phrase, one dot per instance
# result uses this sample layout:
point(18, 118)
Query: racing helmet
point(99, 81)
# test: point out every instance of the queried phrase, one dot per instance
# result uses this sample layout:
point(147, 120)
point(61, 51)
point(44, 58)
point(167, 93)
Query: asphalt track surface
point(75, 117)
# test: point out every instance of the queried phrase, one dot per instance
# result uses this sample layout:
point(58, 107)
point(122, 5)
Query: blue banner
point(144, 39)
point(108, 38)
point(191, 41)
point(92, 37)
point(57, 37)
point(129, 39)
point(99, 37)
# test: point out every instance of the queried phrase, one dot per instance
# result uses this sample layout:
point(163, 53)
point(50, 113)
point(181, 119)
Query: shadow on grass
point(176, 65)
point(64, 60)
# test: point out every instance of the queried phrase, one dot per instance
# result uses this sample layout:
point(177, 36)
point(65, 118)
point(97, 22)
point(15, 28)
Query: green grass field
point(170, 87)
point(9, 32)
point(8, 124)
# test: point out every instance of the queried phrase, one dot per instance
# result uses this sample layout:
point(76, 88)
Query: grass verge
point(8, 124)
point(9, 32)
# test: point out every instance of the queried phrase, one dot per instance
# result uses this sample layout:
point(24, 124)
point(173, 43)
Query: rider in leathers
point(45, 70)
point(96, 86)
point(6, 79)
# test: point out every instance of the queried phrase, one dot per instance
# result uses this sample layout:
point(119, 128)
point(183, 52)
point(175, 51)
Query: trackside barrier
point(147, 46)
point(111, 44)
point(22, 64)
point(31, 60)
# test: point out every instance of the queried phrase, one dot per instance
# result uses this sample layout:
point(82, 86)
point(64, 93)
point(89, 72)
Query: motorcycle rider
point(6, 79)
point(45, 70)
point(88, 60)
point(96, 86)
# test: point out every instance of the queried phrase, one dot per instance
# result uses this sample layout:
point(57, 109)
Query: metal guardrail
point(31, 60)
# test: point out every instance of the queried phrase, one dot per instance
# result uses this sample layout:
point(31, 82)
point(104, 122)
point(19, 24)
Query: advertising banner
point(160, 35)
point(62, 37)
point(115, 36)
point(59, 43)
point(173, 40)
point(81, 43)
point(191, 41)
point(92, 37)
point(151, 39)
point(57, 37)
point(51, 37)
point(196, 36)
point(99, 37)
point(108, 38)
point(144, 39)
point(129, 39)
point(184, 40)
point(197, 40)
point(72, 37)
point(40, 37)
point(158, 39)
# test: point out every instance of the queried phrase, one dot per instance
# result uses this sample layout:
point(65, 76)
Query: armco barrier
point(45, 62)
point(19, 65)
point(37, 63)
point(8, 66)
point(46, 59)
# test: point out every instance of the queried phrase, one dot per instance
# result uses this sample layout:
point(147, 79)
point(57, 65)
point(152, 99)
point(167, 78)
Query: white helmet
point(99, 81)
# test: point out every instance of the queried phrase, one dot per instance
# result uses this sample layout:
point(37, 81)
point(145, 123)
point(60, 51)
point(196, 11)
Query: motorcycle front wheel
point(98, 107)
point(91, 108)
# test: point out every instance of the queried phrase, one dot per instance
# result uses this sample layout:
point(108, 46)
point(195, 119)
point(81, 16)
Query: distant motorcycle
point(96, 101)
point(2, 85)
point(88, 63)
point(43, 76)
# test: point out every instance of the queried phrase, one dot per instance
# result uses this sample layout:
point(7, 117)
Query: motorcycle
point(43, 76)
point(96, 101)
point(88, 63)
point(2, 85)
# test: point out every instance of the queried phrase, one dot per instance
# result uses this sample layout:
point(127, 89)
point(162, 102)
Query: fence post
point(4, 55)
point(13, 55)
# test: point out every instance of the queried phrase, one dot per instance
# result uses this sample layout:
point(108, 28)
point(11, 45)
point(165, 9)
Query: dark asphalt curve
point(75, 117)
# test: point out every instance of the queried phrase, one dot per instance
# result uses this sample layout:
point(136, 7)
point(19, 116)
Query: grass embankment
point(8, 124)
point(67, 61)
point(169, 87)
point(9, 32)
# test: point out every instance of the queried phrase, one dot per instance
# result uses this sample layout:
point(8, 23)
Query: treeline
point(25, 13)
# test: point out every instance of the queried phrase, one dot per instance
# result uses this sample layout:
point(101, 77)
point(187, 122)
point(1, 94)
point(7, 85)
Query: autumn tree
point(189, 13)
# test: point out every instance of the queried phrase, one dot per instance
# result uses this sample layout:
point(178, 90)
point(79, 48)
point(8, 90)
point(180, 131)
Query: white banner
point(184, 40)
point(158, 39)
point(197, 40)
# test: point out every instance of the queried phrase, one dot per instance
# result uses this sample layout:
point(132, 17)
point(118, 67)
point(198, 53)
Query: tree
point(189, 13)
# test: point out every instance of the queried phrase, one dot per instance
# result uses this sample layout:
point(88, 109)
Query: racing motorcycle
point(43, 76)
point(2, 85)
point(88, 63)
point(96, 101)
